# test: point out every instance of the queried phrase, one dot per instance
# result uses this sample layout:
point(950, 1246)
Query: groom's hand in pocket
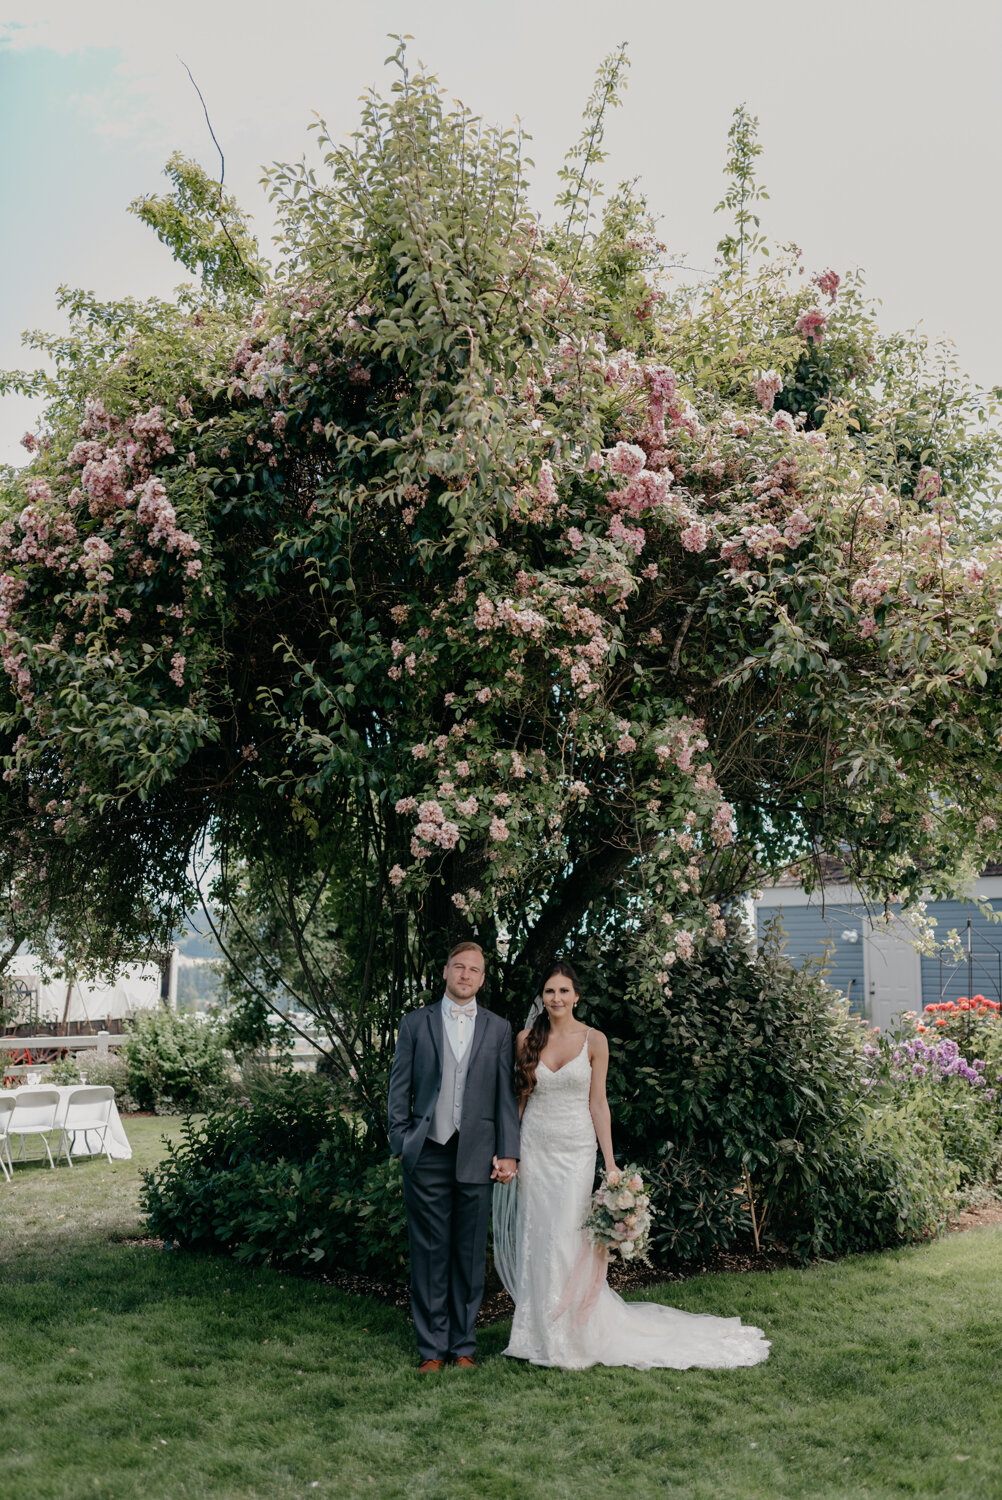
point(505, 1168)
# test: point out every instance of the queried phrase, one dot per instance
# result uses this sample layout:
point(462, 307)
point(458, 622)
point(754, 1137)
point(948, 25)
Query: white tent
point(135, 987)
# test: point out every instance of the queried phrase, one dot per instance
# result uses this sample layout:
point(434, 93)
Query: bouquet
point(619, 1224)
point(620, 1217)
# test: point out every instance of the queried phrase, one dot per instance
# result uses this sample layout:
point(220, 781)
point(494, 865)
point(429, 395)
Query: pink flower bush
point(488, 598)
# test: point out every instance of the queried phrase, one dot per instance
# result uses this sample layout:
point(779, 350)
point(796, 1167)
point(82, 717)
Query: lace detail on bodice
point(557, 1113)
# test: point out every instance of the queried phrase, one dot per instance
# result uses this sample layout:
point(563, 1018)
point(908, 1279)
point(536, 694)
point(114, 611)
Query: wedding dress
point(556, 1176)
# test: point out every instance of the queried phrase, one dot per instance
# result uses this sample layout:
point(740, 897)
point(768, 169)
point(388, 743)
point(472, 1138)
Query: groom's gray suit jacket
point(490, 1114)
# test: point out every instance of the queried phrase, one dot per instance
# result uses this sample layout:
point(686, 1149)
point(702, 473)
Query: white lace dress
point(556, 1177)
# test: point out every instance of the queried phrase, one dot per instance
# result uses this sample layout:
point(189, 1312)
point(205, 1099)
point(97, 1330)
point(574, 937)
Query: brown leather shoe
point(430, 1366)
point(465, 1362)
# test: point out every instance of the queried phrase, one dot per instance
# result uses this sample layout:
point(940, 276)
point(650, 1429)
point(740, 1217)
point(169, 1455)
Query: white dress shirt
point(459, 1029)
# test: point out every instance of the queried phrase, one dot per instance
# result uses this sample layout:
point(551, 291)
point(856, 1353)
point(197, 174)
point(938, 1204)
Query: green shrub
point(884, 1180)
point(752, 1075)
point(282, 1179)
point(65, 1070)
point(173, 1063)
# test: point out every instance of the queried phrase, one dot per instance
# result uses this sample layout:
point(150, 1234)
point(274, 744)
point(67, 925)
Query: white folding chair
point(6, 1110)
point(87, 1109)
point(34, 1114)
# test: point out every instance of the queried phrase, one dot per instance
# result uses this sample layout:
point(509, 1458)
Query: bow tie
point(469, 1011)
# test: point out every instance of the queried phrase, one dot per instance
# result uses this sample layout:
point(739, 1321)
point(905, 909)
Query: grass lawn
point(131, 1373)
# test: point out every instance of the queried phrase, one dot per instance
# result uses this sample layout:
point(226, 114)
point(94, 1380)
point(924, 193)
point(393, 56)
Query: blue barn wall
point(808, 932)
point(953, 976)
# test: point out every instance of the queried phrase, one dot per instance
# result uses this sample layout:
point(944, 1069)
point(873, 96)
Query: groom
point(454, 1124)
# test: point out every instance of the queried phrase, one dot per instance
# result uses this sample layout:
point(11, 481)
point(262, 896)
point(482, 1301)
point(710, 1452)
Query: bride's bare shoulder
point(597, 1041)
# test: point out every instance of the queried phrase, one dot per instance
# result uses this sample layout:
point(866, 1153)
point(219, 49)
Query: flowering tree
point(466, 575)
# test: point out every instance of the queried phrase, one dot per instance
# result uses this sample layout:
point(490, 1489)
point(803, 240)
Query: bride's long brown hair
point(538, 1035)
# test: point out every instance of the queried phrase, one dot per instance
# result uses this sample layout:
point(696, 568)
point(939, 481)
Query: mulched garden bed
point(497, 1305)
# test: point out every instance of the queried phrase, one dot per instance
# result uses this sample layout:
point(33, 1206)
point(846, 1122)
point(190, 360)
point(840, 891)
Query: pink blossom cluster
point(663, 399)
point(681, 740)
point(827, 282)
point(506, 615)
point(644, 492)
point(872, 586)
point(695, 537)
point(626, 744)
point(762, 540)
point(259, 366)
point(767, 386)
point(47, 536)
point(14, 666)
point(661, 382)
point(96, 553)
point(150, 430)
point(433, 828)
point(545, 496)
point(798, 526)
point(103, 481)
point(12, 591)
point(622, 370)
point(928, 486)
point(812, 324)
point(155, 511)
point(721, 831)
point(630, 538)
point(684, 945)
point(627, 459)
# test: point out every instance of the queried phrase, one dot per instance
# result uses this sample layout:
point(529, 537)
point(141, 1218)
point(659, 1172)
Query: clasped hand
point(505, 1168)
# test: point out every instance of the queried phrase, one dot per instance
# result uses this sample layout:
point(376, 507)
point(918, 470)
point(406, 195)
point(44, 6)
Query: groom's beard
point(462, 994)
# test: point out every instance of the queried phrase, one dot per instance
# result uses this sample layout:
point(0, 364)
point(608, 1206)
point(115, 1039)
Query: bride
point(560, 1081)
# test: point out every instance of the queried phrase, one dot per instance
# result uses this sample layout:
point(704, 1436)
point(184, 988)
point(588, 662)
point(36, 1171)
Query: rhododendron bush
point(470, 576)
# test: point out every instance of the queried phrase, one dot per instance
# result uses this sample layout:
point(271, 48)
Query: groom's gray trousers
point(447, 1187)
point(447, 1230)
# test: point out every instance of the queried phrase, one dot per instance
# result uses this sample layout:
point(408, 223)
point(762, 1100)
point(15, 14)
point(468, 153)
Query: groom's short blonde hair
point(466, 948)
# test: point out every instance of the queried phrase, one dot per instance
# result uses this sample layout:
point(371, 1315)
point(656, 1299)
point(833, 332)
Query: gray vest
point(449, 1106)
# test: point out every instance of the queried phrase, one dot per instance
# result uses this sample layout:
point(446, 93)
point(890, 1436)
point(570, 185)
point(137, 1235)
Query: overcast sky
point(881, 122)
